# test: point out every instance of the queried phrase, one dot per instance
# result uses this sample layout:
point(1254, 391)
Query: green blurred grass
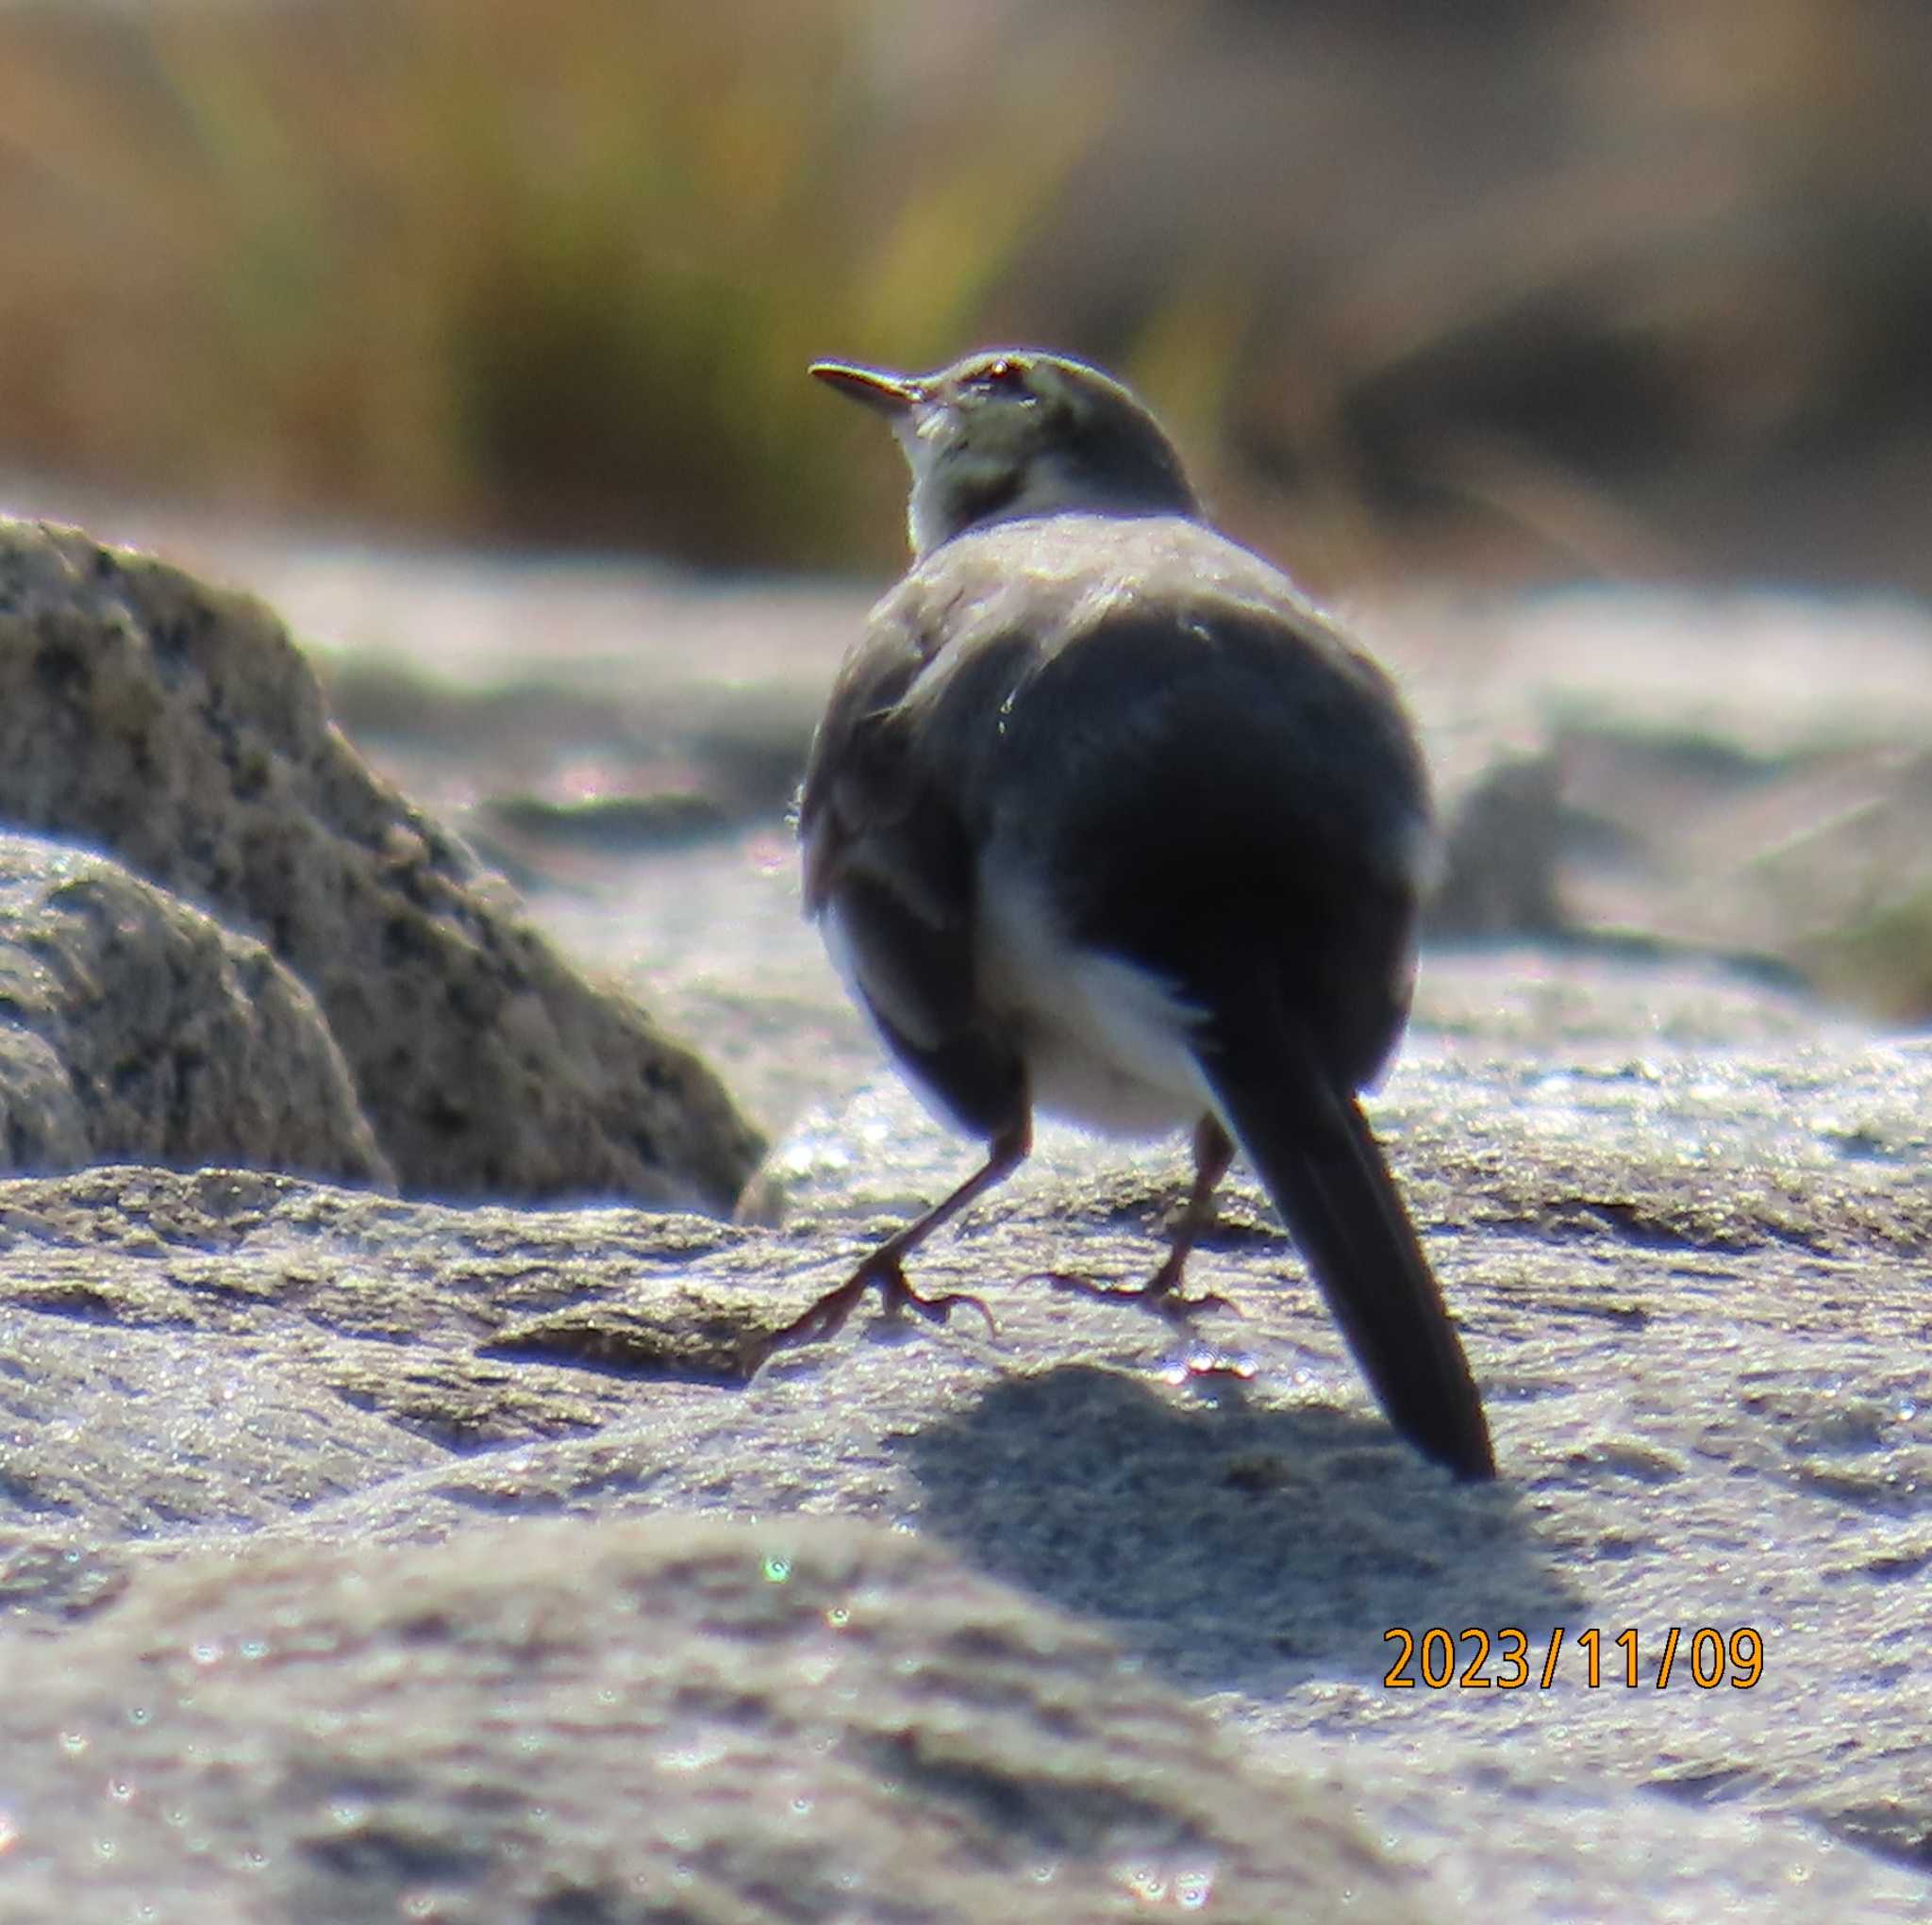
point(494, 265)
point(1604, 286)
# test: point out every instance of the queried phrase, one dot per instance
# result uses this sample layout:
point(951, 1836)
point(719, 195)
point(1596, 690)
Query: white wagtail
point(1104, 817)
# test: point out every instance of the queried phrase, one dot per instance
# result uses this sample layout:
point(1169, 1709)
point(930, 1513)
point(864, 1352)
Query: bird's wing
point(890, 872)
point(1181, 787)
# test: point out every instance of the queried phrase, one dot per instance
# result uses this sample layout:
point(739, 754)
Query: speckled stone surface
point(1691, 1276)
point(555, 1603)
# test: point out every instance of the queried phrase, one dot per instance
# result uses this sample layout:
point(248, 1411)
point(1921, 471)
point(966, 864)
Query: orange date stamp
point(1473, 1659)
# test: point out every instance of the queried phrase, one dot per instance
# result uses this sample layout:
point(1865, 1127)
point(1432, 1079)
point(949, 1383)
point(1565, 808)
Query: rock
point(1680, 1215)
point(1682, 1220)
point(136, 1029)
point(1500, 850)
point(1744, 774)
point(176, 725)
point(671, 1717)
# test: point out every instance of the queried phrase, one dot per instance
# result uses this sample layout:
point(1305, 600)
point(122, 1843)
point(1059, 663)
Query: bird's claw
point(937, 1309)
point(1158, 1295)
point(827, 1317)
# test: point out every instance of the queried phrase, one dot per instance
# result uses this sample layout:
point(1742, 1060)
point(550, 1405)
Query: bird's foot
point(1161, 1294)
point(883, 1272)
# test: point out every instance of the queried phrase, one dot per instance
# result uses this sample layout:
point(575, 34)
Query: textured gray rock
point(664, 1719)
point(1683, 1220)
point(177, 726)
point(1500, 848)
point(1685, 1225)
point(1746, 773)
point(134, 1028)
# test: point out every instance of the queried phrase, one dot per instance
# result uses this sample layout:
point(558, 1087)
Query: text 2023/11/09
point(1437, 1659)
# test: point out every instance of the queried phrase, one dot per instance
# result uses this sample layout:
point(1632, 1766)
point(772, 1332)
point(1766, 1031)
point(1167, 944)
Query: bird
point(1107, 820)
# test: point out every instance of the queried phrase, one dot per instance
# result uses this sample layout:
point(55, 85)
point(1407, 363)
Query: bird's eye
point(1002, 378)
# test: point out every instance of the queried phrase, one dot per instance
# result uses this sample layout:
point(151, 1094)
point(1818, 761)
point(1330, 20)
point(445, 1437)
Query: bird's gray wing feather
point(1229, 781)
point(890, 860)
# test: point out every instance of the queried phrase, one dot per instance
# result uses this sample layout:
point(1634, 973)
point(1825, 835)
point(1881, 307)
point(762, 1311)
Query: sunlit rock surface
point(135, 1028)
point(177, 726)
point(497, 1483)
point(1691, 1276)
point(660, 1718)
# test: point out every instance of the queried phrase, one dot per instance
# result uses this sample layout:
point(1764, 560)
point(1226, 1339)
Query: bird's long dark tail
point(1313, 1151)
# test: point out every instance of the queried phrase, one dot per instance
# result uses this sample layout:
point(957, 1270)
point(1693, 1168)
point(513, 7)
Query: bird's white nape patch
point(1105, 1042)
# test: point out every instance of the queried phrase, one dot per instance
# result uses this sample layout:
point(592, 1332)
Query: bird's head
point(1011, 432)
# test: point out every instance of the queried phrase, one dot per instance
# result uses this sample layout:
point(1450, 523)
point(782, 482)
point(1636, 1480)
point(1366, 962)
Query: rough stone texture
point(1685, 1224)
point(136, 1029)
point(1682, 1216)
point(179, 727)
point(663, 1719)
point(1747, 773)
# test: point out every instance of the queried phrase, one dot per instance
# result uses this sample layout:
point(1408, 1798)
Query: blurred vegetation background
point(1523, 288)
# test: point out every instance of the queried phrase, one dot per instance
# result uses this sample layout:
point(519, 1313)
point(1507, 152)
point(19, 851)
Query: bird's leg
point(885, 1267)
point(1161, 1292)
point(1213, 1153)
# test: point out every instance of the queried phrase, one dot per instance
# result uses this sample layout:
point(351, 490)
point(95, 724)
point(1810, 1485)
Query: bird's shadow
point(1235, 1544)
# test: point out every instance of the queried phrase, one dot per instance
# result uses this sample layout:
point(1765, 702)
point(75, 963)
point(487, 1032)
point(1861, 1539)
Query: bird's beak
point(893, 395)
